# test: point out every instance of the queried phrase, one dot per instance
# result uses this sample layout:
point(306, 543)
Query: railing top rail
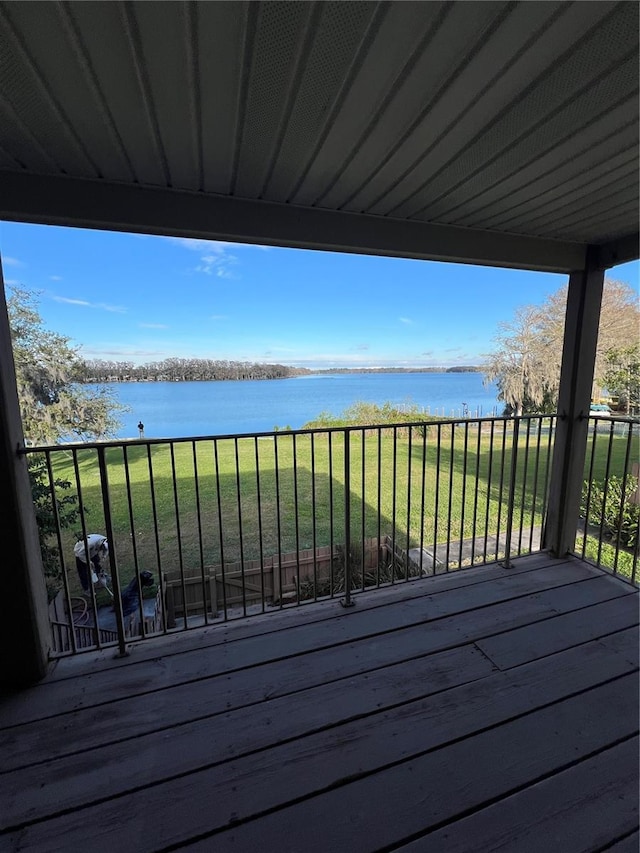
point(83, 445)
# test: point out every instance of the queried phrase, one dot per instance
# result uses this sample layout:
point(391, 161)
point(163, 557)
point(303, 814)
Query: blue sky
point(128, 297)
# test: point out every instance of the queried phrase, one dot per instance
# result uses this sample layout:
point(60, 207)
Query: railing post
point(347, 601)
point(117, 600)
point(512, 493)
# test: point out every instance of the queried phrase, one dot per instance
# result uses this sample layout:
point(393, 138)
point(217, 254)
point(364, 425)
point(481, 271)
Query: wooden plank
point(582, 808)
point(617, 643)
point(294, 616)
point(419, 792)
point(630, 844)
point(295, 716)
point(529, 642)
point(431, 615)
point(140, 716)
point(402, 689)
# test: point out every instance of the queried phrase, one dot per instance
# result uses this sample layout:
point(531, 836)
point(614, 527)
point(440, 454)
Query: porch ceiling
point(490, 132)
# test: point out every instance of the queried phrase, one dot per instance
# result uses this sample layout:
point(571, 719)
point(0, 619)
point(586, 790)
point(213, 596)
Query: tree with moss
point(53, 407)
point(621, 376)
point(526, 360)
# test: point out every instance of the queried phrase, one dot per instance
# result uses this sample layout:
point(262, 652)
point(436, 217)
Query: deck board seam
point(335, 616)
point(491, 801)
point(438, 825)
point(343, 781)
point(264, 700)
point(348, 641)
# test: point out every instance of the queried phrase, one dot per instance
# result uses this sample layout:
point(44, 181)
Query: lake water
point(178, 409)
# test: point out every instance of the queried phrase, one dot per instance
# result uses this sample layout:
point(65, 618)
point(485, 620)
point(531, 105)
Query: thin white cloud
point(219, 317)
point(68, 301)
point(196, 245)
point(11, 262)
point(101, 306)
point(406, 321)
point(55, 277)
point(153, 326)
point(218, 265)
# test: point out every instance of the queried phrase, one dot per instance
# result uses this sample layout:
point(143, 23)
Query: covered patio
point(488, 709)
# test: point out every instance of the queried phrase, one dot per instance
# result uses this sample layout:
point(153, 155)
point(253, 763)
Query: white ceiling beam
point(119, 207)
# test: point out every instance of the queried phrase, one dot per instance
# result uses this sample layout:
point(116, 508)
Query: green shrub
point(611, 509)
point(67, 513)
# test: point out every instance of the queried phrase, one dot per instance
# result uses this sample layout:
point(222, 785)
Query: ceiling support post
point(25, 633)
point(582, 319)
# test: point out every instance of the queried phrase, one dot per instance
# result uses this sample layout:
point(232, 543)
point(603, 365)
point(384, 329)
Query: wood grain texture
point(411, 724)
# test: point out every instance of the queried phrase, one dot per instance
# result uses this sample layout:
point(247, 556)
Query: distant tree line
point(181, 370)
point(463, 368)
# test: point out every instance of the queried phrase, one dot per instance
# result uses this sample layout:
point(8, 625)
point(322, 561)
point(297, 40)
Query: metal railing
point(610, 506)
point(234, 525)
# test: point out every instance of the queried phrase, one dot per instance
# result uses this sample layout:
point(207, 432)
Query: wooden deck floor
point(482, 711)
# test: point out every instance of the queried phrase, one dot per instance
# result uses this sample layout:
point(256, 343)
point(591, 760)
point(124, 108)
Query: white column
point(24, 622)
point(578, 360)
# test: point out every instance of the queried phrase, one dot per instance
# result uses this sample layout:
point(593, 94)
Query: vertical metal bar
point(346, 601)
point(422, 500)
point(220, 527)
point(83, 524)
point(379, 502)
point(475, 495)
point(547, 470)
point(409, 453)
point(464, 490)
point(260, 542)
point(393, 509)
point(295, 508)
point(239, 495)
point(605, 492)
point(278, 518)
point(154, 512)
point(113, 558)
point(450, 506)
point(636, 550)
point(503, 462)
point(63, 566)
point(513, 476)
point(524, 482)
point(331, 530)
point(134, 546)
point(174, 480)
point(589, 489)
point(363, 512)
point(536, 474)
point(314, 521)
point(196, 477)
point(489, 476)
point(625, 477)
point(436, 508)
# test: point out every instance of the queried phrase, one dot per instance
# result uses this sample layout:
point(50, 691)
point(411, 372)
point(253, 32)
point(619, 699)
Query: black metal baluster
point(489, 476)
point(134, 545)
point(154, 512)
point(259, 509)
point(240, 531)
point(347, 600)
point(220, 528)
point(113, 558)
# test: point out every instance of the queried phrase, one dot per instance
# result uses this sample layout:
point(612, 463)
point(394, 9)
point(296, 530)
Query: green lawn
point(228, 499)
